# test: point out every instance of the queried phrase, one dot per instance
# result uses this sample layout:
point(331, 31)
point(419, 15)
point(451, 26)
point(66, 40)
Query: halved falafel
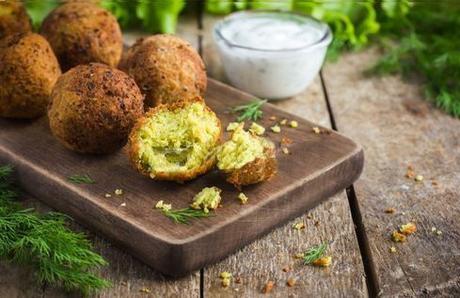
point(175, 142)
point(83, 32)
point(246, 158)
point(13, 18)
point(93, 108)
point(166, 68)
point(28, 72)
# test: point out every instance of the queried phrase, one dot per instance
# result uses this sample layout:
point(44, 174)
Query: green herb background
point(419, 38)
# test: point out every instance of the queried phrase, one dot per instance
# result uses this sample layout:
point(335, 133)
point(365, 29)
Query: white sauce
point(271, 55)
point(272, 32)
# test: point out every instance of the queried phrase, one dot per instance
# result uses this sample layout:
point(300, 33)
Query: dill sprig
point(81, 179)
point(250, 111)
point(184, 215)
point(314, 253)
point(59, 256)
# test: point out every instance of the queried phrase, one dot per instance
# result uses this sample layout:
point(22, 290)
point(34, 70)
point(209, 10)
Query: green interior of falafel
point(240, 150)
point(5, 9)
point(179, 140)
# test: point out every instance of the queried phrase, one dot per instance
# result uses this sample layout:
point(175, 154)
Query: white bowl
point(267, 72)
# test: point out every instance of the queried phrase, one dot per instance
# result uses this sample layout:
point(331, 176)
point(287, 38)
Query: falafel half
point(13, 18)
point(28, 72)
point(166, 68)
point(83, 32)
point(175, 142)
point(93, 108)
point(246, 158)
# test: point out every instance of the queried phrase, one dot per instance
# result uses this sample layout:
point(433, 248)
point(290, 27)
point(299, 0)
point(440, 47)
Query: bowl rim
point(324, 40)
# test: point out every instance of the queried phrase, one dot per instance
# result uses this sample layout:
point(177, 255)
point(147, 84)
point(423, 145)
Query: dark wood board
point(319, 166)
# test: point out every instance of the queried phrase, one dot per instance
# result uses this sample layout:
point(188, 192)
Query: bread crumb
point(272, 118)
point(118, 191)
point(291, 282)
point(419, 178)
point(123, 204)
point(299, 256)
point(145, 290)
point(392, 249)
point(226, 278)
point(294, 124)
point(243, 198)
point(107, 195)
point(410, 173)
point(257, 129)
point(268, 287)
point(408, 228)
point(283, 122)
point(276, 129)
point(316, 130)
point(285, 141)
point(298, 226)
point(285, 150)
point(323, 262)
point(390, 210)
point(398, 237)
point(232, 126)
point(161, 205)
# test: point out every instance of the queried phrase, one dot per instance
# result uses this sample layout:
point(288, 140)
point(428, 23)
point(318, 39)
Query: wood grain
point(331, 222)
point(398, 128)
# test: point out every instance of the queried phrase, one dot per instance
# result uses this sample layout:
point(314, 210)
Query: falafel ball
point(246, 158)
point(166, 68)
point(93, 108)
point(13, 18)
point(28, 72)
point(175, 142)
point(82, 32)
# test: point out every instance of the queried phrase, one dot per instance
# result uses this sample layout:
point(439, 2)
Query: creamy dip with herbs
point(272, 31)
point(271, 54)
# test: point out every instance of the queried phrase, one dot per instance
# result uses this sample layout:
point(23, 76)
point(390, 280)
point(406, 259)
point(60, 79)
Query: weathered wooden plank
point(331, 222)
point(397, 128)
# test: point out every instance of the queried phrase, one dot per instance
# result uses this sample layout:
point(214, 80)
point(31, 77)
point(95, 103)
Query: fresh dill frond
point(183, 216)
point(251, 111)
point(59, 256)
point(81, 179)
point(314, 253)
point(5, 171)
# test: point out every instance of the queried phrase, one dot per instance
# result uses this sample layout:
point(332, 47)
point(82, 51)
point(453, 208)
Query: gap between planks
point(366, 257)
point(373, 287)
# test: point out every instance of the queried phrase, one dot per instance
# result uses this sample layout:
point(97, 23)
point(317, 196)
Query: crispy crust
point(17, 21)
point(166, 68)
point(82, 32)
point(133, 145)
point(28, 72)
point(93, 108)
point(261, 169)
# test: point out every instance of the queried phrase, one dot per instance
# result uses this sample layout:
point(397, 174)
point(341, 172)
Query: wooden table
point(397, 128)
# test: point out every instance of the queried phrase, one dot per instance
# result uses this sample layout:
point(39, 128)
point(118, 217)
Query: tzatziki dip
point(271, 54)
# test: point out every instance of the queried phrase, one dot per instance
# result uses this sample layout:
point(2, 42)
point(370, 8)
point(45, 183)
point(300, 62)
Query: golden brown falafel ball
point(82, 32)
point(28, 72)
point(175, 142)
point(93, 108)
point(246, 158)
point(166, 68)
point(13, 18)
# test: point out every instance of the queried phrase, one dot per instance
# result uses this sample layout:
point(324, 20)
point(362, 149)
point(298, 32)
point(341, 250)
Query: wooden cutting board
point(318, 166)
